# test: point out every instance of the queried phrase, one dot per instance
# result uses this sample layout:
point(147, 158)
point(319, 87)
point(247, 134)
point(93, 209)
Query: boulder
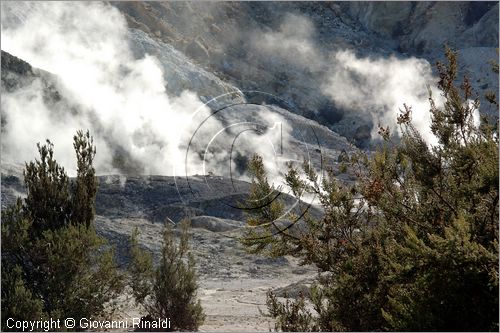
point(214, 224)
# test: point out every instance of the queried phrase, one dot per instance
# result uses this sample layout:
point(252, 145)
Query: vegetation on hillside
point(54, 265)
point(169, 289)
point(413, 244)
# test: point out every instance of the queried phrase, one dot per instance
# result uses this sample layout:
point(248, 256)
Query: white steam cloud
point(378, 88)
point(85, 46)
point(373, 88)
point(293, 41)
point(122, 100)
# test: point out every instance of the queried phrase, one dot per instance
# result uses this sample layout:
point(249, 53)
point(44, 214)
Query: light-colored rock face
point(286, 48)
point(484, 32)
point(242, 48)
point(180, 72)
point(423, 27)
point(290, 51)
point(382, 17)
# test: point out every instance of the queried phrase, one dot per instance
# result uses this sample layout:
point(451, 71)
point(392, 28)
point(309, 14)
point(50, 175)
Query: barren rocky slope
point(210, 48)
point(233, 283)
point(229, 39)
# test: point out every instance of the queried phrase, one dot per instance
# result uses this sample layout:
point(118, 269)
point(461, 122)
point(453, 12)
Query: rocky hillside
point(268, 64)
point(231, 40)
point(285, 49)
point(262, 58)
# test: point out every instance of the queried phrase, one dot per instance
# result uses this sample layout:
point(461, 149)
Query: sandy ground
point(233, 283)
point(229, 306)
point(237, 305)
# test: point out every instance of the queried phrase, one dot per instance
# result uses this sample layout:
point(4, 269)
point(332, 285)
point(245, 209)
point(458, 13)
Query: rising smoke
point(137, 126)
point(125, 100)
point(379, 87)
point(292, 42)
point(374, 88)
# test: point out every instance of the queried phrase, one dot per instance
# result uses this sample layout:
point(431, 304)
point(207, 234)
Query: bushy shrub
point(413, 244)
point(53, 262)
point(169, 289)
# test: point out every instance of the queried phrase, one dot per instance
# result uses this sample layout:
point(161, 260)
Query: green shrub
point(53, 262)
point(413, 244)
point(168, 290)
